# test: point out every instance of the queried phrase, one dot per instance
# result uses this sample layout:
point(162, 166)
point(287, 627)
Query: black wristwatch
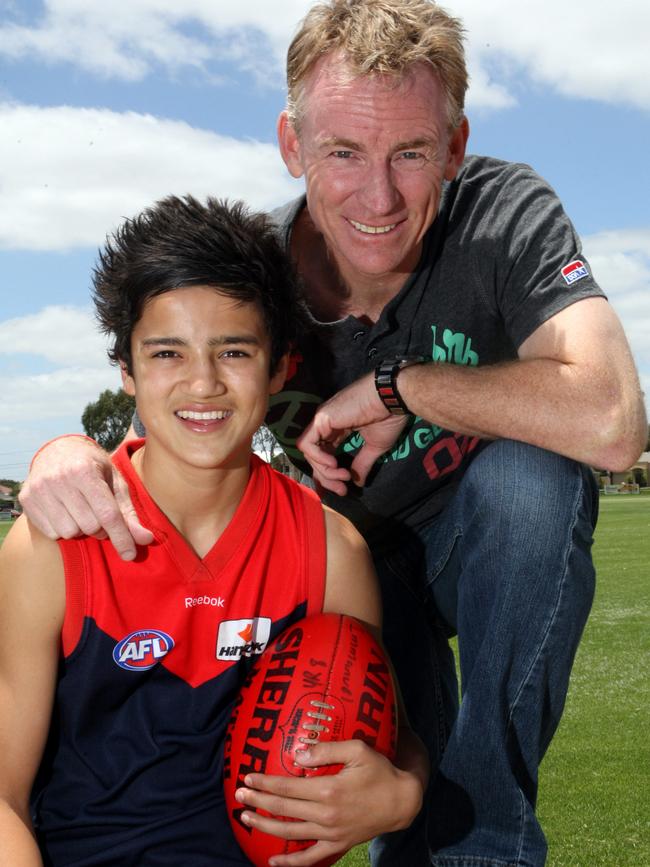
point(386, 381)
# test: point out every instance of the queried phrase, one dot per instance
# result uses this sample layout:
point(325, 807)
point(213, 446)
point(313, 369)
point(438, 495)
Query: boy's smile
point(200, 375)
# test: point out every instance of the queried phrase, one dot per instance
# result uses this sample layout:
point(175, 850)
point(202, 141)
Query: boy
point(117, 679)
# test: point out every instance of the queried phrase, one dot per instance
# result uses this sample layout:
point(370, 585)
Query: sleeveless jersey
point(154, 652)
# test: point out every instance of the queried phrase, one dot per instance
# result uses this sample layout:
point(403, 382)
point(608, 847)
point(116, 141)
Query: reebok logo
point(237, 638)
point(213, 601)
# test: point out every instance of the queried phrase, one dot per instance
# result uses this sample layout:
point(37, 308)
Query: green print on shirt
point(287, 407)
point(284, 418)
point(456, 348)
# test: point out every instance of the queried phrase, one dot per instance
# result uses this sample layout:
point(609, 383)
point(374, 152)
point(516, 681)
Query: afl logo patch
point(142, 650)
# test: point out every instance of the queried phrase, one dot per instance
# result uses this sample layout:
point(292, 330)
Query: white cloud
point(40, 405)
point(620, 260)
point(484, 93)
point(47, 396)
point(61, 335)
point(580, 49)
point(68, 340)
point(137, 35)
point(621, 263)
point(68, 175)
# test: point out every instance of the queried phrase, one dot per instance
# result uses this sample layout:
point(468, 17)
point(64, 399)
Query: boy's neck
point(199, 502)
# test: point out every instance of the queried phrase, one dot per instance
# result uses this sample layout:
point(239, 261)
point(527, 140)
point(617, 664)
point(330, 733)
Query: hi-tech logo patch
point(575, 270)
point(142, 650)
point(237, 638)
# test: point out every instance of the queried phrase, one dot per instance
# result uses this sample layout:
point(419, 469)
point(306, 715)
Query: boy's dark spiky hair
point(182, 242)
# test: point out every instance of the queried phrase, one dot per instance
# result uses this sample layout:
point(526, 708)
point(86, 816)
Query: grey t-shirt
point(500, 259)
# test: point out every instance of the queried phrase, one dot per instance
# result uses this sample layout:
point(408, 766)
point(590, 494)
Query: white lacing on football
point(315, 728)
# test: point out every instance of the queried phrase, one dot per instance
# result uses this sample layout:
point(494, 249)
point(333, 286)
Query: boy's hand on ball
point(370, 795)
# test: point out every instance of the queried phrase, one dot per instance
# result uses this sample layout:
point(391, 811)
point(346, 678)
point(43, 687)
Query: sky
point(106, 107)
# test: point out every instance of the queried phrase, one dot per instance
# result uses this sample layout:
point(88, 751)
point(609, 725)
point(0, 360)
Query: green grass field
point(595, 781)
point(594, 801)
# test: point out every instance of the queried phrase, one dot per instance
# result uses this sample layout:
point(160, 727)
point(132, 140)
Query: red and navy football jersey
point(154, 653)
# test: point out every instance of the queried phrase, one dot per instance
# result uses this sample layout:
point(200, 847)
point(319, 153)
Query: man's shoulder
point(484, 176)
point(284, 216)
point(477, 167)
point(488, 198)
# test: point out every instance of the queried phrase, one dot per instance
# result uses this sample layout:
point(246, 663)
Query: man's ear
point(456, 149)
point(290, 145)
point(128, 383)
point(280, 375)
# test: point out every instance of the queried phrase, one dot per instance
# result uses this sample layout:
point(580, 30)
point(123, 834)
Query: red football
point(325, 678)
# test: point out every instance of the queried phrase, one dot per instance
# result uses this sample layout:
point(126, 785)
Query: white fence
point(623, 488)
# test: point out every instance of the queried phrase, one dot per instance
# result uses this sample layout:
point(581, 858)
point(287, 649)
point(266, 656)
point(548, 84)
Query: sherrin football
point(325, 678)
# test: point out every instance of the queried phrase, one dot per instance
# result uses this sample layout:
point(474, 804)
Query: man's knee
point(527, 518)
point(529, 485)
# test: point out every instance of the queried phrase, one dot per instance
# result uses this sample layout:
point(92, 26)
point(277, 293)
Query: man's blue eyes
point(406, 155)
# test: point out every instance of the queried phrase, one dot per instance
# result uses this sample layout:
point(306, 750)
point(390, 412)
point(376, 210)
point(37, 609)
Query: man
point(462, 365)
point(201, 304)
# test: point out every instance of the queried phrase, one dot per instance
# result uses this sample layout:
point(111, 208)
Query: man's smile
point(372, 230)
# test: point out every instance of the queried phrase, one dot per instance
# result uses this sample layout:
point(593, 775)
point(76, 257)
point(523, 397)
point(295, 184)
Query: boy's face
point(201, 376)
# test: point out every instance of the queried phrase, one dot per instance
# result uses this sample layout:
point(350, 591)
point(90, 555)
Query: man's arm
point(370, 795)
point(32, 602)
point(573, 390)
point(73, 489)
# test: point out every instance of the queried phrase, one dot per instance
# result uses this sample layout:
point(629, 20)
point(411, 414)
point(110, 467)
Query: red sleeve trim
point(74, 563)
point(315, 548)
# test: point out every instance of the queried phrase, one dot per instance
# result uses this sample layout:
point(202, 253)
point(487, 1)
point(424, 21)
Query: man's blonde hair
point(385, 37)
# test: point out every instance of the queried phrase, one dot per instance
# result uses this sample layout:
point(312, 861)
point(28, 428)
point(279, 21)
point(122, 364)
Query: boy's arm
point(370, 795)
point(32, 603)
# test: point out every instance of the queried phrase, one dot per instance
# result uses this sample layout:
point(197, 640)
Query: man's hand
point(369, 796)
point(355, 408)
point(74, 489)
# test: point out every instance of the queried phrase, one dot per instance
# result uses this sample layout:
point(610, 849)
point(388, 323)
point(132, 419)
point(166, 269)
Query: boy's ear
point(128, 383)
point(278, 378)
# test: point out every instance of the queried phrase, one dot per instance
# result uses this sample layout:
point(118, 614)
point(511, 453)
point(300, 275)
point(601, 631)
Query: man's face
point(374, 152)
point(200, 376)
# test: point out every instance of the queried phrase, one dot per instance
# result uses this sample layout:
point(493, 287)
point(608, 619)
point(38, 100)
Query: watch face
point(405, 360)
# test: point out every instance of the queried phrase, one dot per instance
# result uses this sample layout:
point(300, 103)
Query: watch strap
point(386, 381)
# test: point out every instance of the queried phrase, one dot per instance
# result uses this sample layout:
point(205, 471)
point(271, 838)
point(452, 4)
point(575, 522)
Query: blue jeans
point(507, 567)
